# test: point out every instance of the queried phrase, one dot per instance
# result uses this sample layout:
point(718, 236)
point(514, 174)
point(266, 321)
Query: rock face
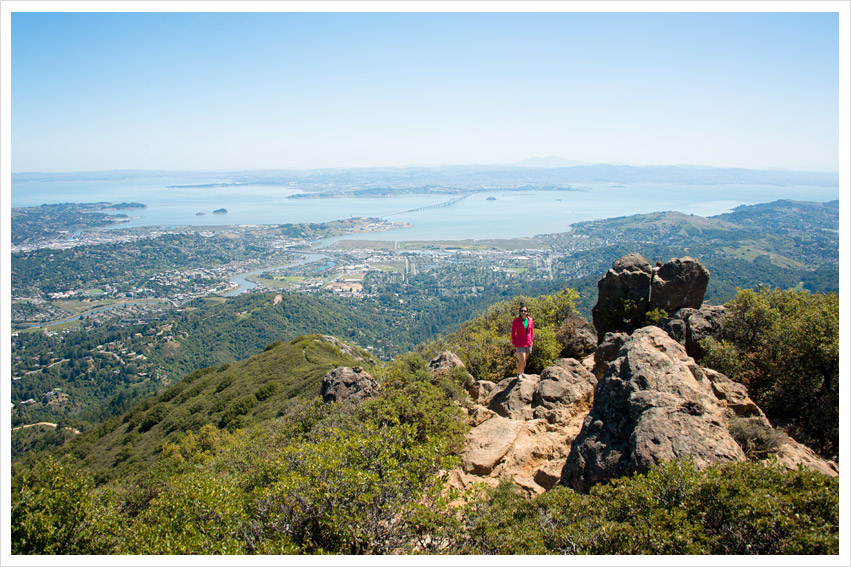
point(522, 427)
point(653, 404)
point(348, 384)
point(622, 295)
point(632, 287)
point(688, 326)
point(735, 397)
point(679, 283)
point(578, 337)
point(607, 351)
point(444, 363)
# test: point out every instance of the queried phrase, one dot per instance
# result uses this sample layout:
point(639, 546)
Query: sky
point(201, 90)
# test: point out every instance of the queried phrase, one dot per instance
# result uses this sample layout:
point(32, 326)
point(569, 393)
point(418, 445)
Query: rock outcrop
point(653, 404)
point(632, 287)
point(622, 295)
point(346, 384)
point(522, 427)
point(578, 337)
point(443, 364)
point(678, 283)
point(639, 400)
point(688, 326)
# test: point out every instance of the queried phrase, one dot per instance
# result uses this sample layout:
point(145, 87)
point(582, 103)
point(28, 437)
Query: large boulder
point(688, 326)
point(622, 295)
point(654, 404)
point(577, 336)
point(512, 397)
point(444, 363)
point(632, 287)
point(348, 384)
point(678, 283)
point(487, 444)
point(565, 389)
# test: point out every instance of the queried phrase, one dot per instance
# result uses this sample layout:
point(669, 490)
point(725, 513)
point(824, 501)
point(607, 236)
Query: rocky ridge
point(638, 399)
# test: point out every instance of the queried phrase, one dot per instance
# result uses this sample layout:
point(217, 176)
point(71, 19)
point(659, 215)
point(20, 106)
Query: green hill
point(233, 396)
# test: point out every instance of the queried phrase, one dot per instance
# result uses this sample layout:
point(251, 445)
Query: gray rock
point(735, 397)
point(678, 283)
point(622, 295)
point(689, 326)
point(444, 363)
point(578, 336)
point(346, 384)
point(565, 384)
point(653, 404)
point(607, 351)
point(512, 397)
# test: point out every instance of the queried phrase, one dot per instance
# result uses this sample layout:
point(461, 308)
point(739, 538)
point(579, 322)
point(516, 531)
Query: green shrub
point(784, 346)
point(267, 391)
point(153, 416)
point(484, 343)
point(745, 508)
point(55, 510)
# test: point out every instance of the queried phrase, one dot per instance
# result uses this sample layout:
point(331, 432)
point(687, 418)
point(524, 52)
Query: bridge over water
point(448, 203)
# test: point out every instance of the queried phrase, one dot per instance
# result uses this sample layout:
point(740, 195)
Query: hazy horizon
point(423, 166)
point(233, 91)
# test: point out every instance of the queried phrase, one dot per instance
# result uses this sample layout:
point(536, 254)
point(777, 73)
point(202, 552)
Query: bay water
point(481, 215)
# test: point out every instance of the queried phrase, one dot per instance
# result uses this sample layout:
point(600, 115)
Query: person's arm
point(514, 332)
point(531, 330)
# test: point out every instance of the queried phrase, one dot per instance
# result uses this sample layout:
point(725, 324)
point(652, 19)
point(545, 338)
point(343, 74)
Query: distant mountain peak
point(548, 161)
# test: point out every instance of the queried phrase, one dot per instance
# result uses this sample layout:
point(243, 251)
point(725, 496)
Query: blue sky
point(96, 91)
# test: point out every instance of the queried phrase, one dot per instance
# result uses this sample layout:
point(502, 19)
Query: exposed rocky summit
point(638, 400)
point(522, 427)
point(345, 384)
point(632, 287)
point(622, 295)
point(678, 283)
point(653, 404)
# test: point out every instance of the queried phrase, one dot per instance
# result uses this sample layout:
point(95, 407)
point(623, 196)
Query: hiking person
point(522, 336)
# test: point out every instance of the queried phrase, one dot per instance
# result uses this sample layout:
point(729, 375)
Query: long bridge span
point(448, 203)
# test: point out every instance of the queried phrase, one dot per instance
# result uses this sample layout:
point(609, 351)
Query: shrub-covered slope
point(244, 459)
point(233, 396)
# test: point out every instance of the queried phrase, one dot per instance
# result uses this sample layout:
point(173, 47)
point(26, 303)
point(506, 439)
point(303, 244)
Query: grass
point(750, 250)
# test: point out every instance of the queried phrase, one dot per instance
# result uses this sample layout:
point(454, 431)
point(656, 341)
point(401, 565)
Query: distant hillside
point(782, 244)
point(255, 389)
point(535, 171)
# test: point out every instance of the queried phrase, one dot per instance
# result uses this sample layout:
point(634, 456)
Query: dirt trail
point(47, 423)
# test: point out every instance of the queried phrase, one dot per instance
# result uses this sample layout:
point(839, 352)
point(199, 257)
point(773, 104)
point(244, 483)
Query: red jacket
point(520, 336)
